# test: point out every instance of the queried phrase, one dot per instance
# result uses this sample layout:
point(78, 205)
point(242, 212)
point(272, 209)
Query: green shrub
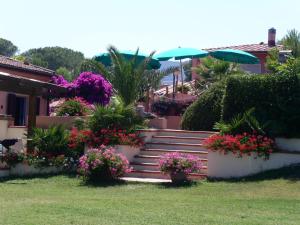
point(184, 89)
point(164, 107)
point(114, 116)
point(241, 123)
point(206, 110)
point(73, 107)
point(274, 97)
point(52, 141)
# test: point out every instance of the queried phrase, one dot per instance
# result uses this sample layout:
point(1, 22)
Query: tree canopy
point(292, 41)
point(55, 57)
point(7, 48)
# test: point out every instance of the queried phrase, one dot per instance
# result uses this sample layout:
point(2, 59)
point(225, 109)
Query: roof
point(262, 47)
point(14, 83)
point(18, 65)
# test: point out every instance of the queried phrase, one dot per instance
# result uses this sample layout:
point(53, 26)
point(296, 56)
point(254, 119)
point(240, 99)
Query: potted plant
point(179, 165)
point(103, 163)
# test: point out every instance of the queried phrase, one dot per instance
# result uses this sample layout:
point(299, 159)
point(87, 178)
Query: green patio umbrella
point(179, 54)
point(105, 59)
point(234, 55)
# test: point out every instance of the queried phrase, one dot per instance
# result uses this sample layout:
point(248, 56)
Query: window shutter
point(11, 105)
point(38, 103)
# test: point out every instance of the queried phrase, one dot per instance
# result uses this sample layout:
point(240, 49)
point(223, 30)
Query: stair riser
point(159, 153)
point(177, 134)
point(145, 167)
point(147, 175)
point(145, 160)
point(175, 147)
point(181, 140)
point(155, 160)
point(156, 168)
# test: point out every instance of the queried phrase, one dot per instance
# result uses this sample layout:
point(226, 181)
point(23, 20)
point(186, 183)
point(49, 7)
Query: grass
point(270, 198)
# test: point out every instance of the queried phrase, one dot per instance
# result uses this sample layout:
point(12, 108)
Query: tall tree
point(126, 75)
point(7, 48)
point(55, 57)
point(292, 41)
point(90, 65)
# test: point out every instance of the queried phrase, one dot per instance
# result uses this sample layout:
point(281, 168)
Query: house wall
point(3, 103)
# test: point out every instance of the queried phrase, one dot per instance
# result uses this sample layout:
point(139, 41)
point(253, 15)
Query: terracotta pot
point(178, 178)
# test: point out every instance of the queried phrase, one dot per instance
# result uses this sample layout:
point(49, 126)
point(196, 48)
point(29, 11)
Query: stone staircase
point(159, 142)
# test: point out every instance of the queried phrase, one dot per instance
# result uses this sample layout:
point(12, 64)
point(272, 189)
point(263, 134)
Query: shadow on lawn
point(103, 183)
point(187, 184)
point(291, 173)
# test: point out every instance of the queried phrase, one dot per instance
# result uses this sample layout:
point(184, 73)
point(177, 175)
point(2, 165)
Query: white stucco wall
point(229, 166)
point(288, 144)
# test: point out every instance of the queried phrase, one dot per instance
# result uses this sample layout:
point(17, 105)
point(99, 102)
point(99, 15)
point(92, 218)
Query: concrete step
point(155, 167)
point(178, 133)
point(141, 158)
point(172, 139)
point(175, 146)
point(158, 175)
point(146, 158)
point(154, 151)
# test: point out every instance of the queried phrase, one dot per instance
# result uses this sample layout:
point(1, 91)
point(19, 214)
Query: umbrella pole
point(173, 86)
point(181, 73)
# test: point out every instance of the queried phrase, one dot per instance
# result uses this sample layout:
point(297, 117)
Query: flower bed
point(241, 144)
point(104, 137)
point(103, 163)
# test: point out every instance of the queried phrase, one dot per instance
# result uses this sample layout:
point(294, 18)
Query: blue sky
point(90, 26)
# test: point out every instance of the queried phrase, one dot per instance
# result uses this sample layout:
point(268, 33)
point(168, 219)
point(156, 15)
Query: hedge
point(274, 97)
point(206, 110)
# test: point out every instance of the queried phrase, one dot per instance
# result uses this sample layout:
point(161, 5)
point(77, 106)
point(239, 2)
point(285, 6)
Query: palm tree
point(292, 41)
point(214, 69)
point(126, 75)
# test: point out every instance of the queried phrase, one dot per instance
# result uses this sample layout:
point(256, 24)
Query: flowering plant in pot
point(179, 165)
point(102, 164)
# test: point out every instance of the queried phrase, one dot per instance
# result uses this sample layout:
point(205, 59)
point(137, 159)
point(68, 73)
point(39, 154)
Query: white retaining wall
point(229, 166)
point(22, 169)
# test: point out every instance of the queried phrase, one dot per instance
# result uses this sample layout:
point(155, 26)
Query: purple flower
point(94, 88)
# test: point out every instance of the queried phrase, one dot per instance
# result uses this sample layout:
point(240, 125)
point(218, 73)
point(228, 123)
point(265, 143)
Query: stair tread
point(178, 137)
point(173, 150)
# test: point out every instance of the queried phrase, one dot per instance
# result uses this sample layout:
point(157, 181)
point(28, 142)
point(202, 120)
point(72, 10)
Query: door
point(20, 114)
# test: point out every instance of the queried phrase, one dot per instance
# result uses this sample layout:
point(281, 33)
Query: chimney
point(272, 37)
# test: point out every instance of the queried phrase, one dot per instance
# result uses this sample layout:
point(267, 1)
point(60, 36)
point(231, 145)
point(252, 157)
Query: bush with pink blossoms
point(174, 163)
point(94, 88)
point(103, 163)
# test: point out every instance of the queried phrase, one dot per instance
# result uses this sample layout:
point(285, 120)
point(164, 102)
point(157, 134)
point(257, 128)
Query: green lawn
point(66, 200)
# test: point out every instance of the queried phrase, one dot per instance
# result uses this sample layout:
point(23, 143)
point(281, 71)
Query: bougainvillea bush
point(241, 144)
point(94, 88)
point(178, 162)
point(103, 163)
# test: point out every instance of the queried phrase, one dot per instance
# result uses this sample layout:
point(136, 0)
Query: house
point(260, 50)
point(14, 101)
